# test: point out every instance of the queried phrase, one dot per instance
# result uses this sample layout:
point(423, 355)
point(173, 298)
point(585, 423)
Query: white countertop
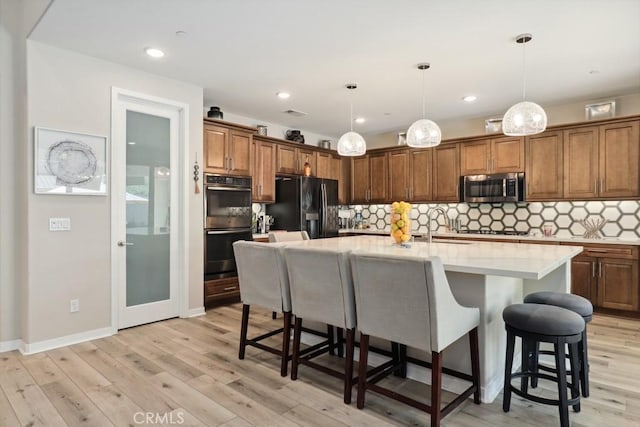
point(487, 258)
point(576, 240)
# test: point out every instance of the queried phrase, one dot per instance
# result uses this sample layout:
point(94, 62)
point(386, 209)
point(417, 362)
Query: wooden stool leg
point(534, 363)
point(584, 364)
point(525, 364)
point(243, 330)
point(274, 315)
point(331, 339)
point(297, 331)
point(508, 366)
point(475, 363)
point(436, 388)
point(348, 366)
point(561, 370)
point(286, 339)
point(575, 374)
point(340, 339)
point(362, 369)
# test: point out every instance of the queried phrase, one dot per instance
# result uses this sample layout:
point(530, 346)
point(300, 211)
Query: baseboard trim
point(195, 312)
point(11, 345)
point(39, 346)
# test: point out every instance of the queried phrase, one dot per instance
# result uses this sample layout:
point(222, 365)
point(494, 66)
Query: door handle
point(593, 269)
point(123, 243)
point(599, 268)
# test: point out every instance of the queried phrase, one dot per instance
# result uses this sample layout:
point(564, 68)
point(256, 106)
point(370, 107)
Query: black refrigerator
point(306, 203)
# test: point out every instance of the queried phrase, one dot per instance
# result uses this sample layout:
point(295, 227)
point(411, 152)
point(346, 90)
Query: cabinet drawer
point(607, 251)
point(222, 286)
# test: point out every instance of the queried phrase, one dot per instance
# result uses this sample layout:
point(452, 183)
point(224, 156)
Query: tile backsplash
point(623, 217)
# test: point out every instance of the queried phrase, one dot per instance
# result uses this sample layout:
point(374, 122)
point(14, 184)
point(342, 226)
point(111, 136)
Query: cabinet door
point(583, 277)
point(215, 146)
point(475, 157)
point(618, 284)
point(256, 172)
point(507, 155)
point(378, 173)
point(267, 189)
point(240, 152)
point(446, 173)
point(309, 156)
point(619, 159)
point(399, 175)
point(323, 165)
point(544, 166)
point(421, 171)
point(286, 159)
point(360, 179)
point(581, 163)
point(340, 172)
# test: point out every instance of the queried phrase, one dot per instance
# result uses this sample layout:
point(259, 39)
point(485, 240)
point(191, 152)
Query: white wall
point(71, 91)
point(278, 131)
point(626, 105)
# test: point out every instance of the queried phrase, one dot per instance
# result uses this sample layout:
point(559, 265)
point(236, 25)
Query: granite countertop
point(577, 240)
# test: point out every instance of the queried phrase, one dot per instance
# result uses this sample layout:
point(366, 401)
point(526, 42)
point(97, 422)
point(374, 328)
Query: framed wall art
point(70, 163)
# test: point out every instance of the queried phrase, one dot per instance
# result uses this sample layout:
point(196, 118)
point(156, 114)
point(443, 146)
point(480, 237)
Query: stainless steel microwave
point(503, 187)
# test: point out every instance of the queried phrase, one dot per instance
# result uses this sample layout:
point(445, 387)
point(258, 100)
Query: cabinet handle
point(599, 269)
point(593, 269)
point(230, 163)
point(229, 288)
point(595, 186)
point(487, 164)
point(411, 193)
point(260, 190)
point(601, 186)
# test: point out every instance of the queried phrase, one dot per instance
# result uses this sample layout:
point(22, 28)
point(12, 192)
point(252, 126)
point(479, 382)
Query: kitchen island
point(487, 275)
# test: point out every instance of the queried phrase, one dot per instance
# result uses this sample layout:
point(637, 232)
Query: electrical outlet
point(59, 224)
point(74, 305)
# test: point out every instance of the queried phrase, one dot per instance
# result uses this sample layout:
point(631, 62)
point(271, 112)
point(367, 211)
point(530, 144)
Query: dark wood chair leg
point(525, 364)
point(331, 338)
point(475, 363)
point(534, 363)
point(243, 330)
point(348, 366)
point(362, 369)
point(297, 331)
point(402, 353)
point(584, 364)
point(508, 366)
point(274, 315)
point(286, 339)
point(562, 382)
point(436, 388)
point(340, 339)
point(575, 374)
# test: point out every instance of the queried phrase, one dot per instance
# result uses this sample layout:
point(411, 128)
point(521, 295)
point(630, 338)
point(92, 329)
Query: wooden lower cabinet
point(583, 281)
point(221, 291)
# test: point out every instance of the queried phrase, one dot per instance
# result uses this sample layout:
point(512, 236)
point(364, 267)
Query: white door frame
point(120, 98)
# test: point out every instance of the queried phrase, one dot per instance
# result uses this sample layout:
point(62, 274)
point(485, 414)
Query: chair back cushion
point(287, 236)
point(321, 285)
point(262, 275)
point(408, 300)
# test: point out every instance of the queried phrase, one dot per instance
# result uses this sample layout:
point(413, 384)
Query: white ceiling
point(242, 52)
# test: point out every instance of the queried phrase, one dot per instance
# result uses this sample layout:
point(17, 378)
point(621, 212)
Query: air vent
point(295, 113)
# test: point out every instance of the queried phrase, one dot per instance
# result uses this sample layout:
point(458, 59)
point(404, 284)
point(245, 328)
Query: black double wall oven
point(227, 206)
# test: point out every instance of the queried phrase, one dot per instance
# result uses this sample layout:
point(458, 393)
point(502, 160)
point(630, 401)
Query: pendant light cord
point(524, 73)
point(351, 113)
point(424, 108)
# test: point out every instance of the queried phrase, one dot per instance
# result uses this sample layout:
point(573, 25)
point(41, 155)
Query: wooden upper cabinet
point(446, 173)
point(360, 179)
point(618, 159)
point(399, 175)
point(581, 163)
point(290, 159)
point(421, 175)
point(544, 166)
point(323, 165)
point(378, 173)
point(263, 172)
point(496, 155)
point(340, 172)
point(227, 150)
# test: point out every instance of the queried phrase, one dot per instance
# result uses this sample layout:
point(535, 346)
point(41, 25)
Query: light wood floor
point(188, 370)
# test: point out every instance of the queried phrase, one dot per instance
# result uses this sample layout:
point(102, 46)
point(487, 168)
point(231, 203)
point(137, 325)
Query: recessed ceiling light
point(154, 53)
point(131, 143)
point(181, 33)
point(360, 120)
point(469, 98)
point(283, 95)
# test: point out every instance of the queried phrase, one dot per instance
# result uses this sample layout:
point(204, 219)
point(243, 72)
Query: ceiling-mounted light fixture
point(283, 95)
point(524, 118)
point(351, 143)
point(154, 52)
point(423, 133)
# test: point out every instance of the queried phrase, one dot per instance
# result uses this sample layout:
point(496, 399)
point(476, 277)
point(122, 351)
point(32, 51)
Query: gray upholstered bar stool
point(322, 291)
point(408, 300)
point(535, 323)
point(579, 305)
point(287, 236)
point(264, 282)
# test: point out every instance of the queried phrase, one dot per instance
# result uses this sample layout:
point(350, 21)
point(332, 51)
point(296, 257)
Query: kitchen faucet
point(429, 213)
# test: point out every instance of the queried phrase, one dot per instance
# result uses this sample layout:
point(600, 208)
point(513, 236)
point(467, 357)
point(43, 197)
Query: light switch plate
point(59, 224)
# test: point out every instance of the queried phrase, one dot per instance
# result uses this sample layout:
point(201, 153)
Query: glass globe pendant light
point(524, 118)
point(423, 133)
point(351, 143)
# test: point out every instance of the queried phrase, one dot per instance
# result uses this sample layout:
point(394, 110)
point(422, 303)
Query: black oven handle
point(236, 231)
point(229, 188)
